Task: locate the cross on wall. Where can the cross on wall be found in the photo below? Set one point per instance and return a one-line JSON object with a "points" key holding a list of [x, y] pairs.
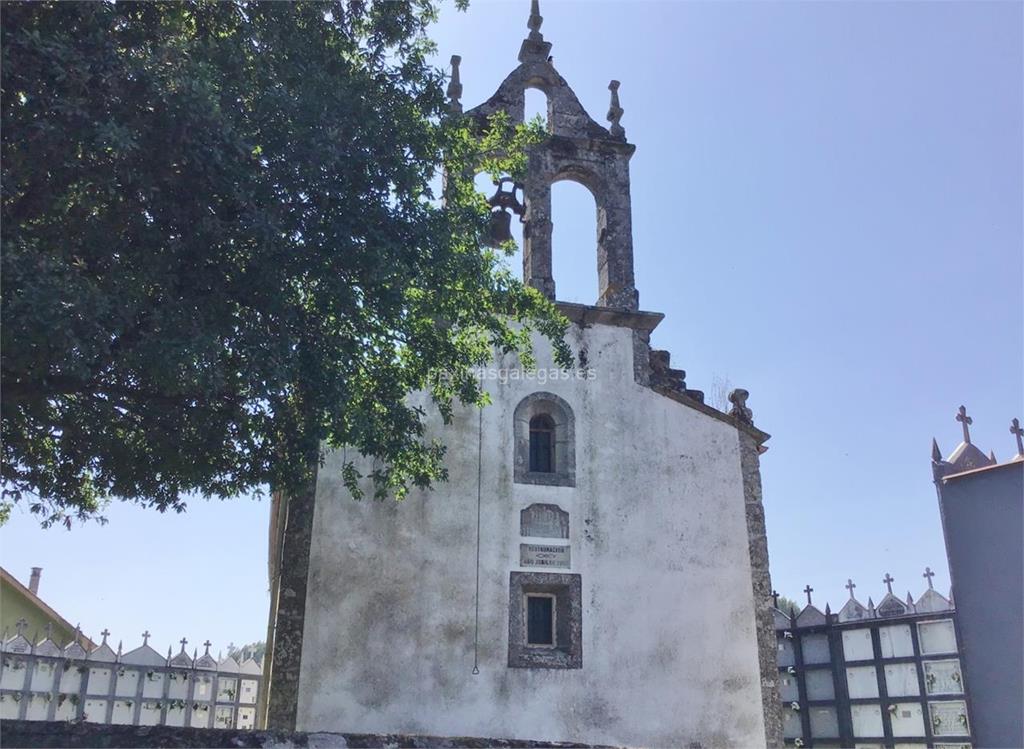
{"points": [[929, 575], [889, 579], [850, 585], [808, 590]]}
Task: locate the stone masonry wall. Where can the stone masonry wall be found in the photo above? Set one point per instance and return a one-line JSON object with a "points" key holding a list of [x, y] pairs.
{"points": [[24, 733]]}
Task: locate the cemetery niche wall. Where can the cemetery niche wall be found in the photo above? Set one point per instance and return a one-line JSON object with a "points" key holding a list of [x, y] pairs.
{"points": [[42, 680], [873, 676]]}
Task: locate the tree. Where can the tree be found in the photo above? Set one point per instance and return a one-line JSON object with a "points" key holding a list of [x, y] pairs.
{"points": [[221, 249], [786, 605], [254, 650]]}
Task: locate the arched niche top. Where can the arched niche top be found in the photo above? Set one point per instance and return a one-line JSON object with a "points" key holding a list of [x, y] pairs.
{"points": [[582, 175], [560, 413], [566, 116]]}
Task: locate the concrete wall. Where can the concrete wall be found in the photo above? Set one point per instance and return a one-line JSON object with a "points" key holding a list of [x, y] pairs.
{"points": [[983, 521], [657, 531]]}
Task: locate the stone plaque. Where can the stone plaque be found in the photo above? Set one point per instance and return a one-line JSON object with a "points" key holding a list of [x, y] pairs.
{"points": [[942, 677], [937, 637], [544, 521], [542, 555], [949, 718]]}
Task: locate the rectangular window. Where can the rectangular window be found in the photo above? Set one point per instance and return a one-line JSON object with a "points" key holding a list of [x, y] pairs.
{"points": [[540, 620], [545, 623]]}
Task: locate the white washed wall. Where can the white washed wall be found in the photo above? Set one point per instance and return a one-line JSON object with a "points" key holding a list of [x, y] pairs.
{"points": [[657, 532]]}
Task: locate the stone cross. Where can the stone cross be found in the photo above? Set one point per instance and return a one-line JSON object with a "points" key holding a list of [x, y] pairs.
{"points": [[850, 585], [615, 112], [21, 625], [808, 590], [928, 574], [775, 598], [207, 645], [1016, 431], [184, 642], [145, 637], [966, 421], [105, 633], [889, 580]]}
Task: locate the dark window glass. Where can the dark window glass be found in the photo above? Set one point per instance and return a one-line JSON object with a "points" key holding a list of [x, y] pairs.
{"points": [[542, 444], [540, 614]]}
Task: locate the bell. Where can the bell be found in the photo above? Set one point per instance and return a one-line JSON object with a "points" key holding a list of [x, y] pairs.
{"points": [[500, 230]]}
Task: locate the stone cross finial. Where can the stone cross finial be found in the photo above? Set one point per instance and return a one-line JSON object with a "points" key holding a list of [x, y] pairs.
{"points": [[928, 574], [966, 421], [145, 637], [455, 86], [850, 585], [21, 625], [889, 580], [106, 634], [775, 598], [1016, 431], [615, 112], [183, 642], [808, 590], [739, 410], [207, 645], [534, 24]]}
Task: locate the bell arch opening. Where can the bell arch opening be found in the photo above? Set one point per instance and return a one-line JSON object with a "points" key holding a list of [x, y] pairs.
{"points": [[575, 223], [536, 104], [484, 184]]}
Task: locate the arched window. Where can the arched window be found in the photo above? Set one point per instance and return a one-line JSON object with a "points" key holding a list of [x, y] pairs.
{"points": [[545, 434], [536, 104], [542, 444]]}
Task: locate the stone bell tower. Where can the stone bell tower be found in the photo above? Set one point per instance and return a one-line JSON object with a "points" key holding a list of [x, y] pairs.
{"points": [[580, 150], [594, 570]]}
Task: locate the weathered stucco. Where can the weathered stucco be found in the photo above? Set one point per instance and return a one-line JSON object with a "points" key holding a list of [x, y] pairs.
{"points": [[658, 532]]}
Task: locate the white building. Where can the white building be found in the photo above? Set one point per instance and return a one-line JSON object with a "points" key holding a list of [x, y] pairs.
{"points": [[594, 570]]}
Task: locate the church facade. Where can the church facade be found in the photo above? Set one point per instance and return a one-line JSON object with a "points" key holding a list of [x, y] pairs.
{"points": [[594, 570]]}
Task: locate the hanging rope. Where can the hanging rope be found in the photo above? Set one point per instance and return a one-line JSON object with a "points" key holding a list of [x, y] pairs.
{"points": [[479, 494]]}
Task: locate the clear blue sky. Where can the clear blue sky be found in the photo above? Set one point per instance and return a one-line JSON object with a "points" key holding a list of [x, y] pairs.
{"points": [[826, 206]]}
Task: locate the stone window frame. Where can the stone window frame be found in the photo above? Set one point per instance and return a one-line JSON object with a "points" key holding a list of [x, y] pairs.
{"points": [[567, 589], [559, 411]]}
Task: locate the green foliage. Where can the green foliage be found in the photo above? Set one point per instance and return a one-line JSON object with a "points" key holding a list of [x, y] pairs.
{"points": [[222, 250], [255, 650], [788, 604]]}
